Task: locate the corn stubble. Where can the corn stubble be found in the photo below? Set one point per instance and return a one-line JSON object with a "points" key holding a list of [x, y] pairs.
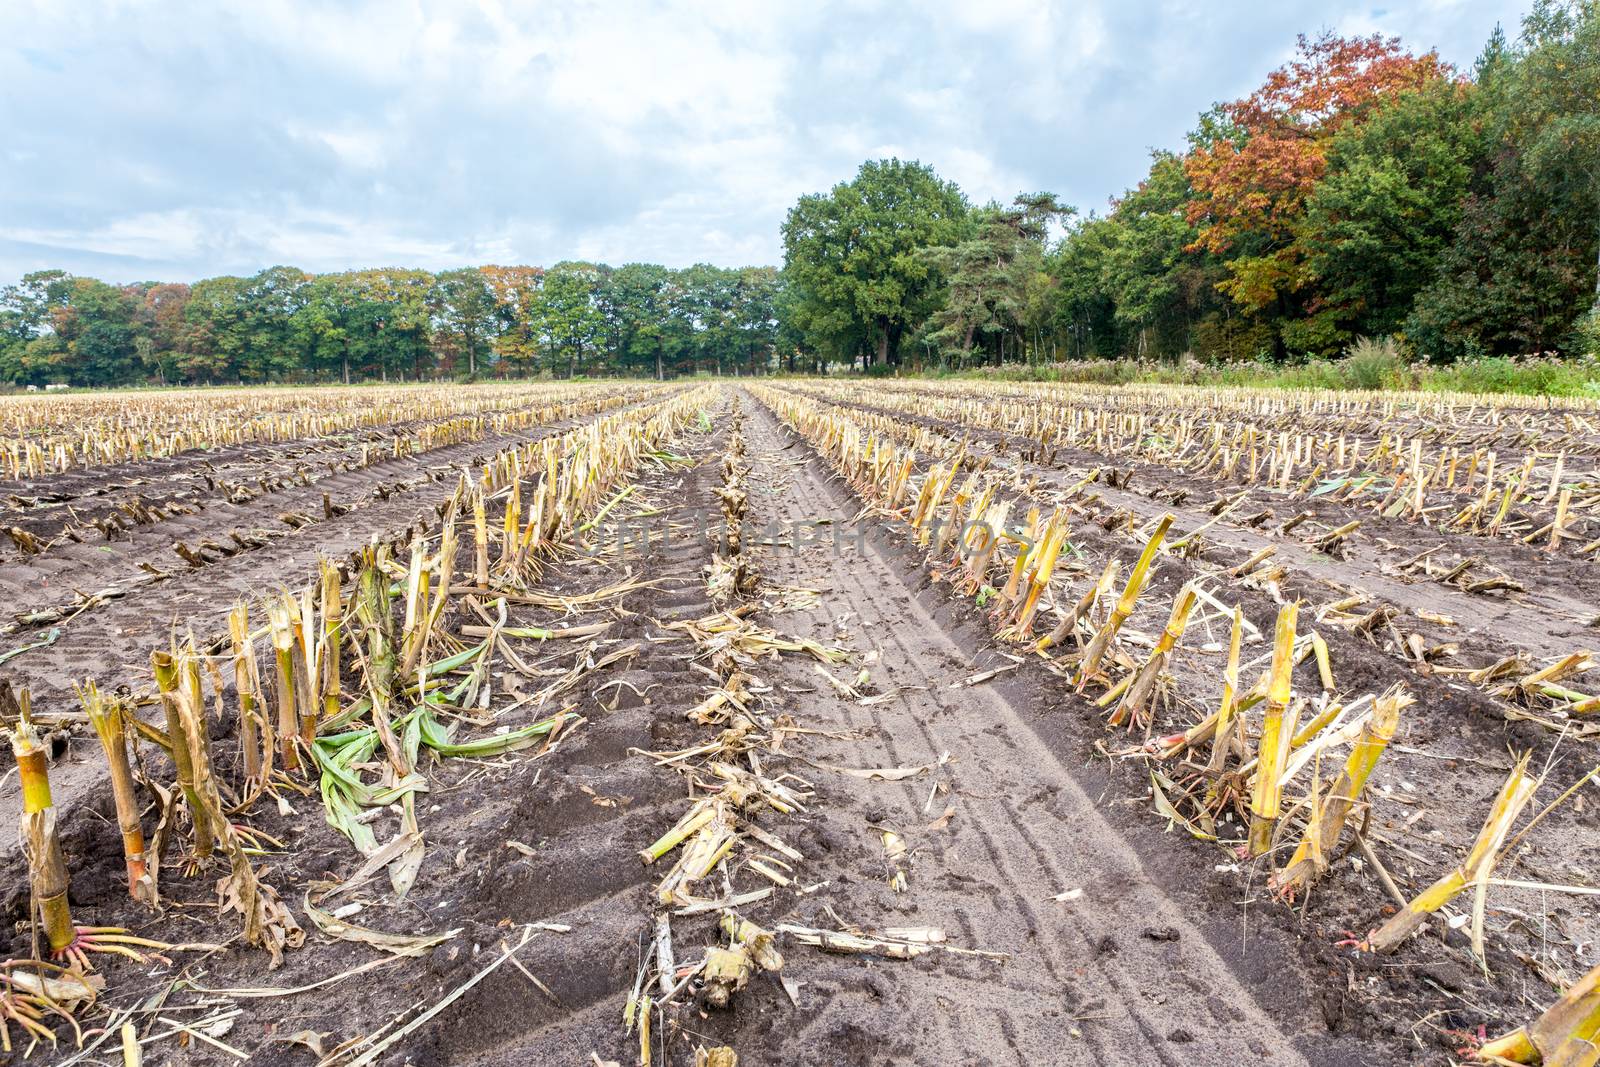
{"points": [[300, 721], [385, 620]]}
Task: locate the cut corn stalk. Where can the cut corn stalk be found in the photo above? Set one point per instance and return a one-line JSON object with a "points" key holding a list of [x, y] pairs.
{"points": [[47, 868], [1125, 603], [167, 669], [267, 923], [1132, 709], [106, 716], [1475, 870], [255, 731], [1276, 733], [1328, 818], [1567, 1034], [1082, 610]]}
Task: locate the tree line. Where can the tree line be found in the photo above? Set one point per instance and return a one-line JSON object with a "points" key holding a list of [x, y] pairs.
{"points": [[1361, 191], [284, 324]]}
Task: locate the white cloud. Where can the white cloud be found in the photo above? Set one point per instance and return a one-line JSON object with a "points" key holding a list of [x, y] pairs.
{"points": [[181, 138]]}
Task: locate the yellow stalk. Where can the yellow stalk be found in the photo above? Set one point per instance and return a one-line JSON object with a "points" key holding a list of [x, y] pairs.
{"points": [[1125, 603], [247, 684], [1230, 674], [508, 523], [47, 868], [1310, 859], [975, 518], [1273, 754], [685, 827], [644, 1031], [1324, 665], [1314, 727], [1055, 539], [994, 521], [109, 727], [1024, 552], [1567, 1034], [167, 672], [1081, 610], [1132, 708], [480, 538], [1476, 869], [283, 651]]}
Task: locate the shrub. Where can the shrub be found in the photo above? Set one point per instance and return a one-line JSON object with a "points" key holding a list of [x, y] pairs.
{"points": [[1375, 364], [1542, 375]]}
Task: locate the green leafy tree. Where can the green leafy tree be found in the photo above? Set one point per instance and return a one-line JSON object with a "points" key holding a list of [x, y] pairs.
{"points": [[569, 314], [398, 300], [216, 332], [327, 327], [96, 326], [1521, 275], [28, 348], [637, 294], [755, 314], [1377, 226], [1085, 311], [854, 256], [464, 312], [271, 300], [1557, 120]]}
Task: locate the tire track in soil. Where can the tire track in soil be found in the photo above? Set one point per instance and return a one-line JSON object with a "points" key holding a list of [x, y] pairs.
{"points": [[1084, 983], [111, 643], [1451, 741]]}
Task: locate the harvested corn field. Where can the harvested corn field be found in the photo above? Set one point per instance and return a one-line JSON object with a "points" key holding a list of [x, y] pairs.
{"points": [[795, 723]]}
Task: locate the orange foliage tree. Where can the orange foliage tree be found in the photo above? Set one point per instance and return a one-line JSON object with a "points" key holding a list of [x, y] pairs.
{"points": [[1265, 154]]}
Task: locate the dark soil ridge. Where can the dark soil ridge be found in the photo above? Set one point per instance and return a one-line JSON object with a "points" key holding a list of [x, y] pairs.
{"points": [[1563, 590], [1543, 623], [1353, 418]]}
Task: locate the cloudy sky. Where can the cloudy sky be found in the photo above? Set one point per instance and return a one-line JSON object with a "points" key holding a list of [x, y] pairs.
{"points": [[174, 140]]}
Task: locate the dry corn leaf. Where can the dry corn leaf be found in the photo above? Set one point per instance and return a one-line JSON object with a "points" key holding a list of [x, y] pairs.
{"points": [[398, 944]]}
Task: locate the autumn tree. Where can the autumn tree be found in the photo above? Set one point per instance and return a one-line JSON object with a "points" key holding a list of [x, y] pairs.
{"points": [[516, 298], [95, 323], [1255, 169], [161, 311]]}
